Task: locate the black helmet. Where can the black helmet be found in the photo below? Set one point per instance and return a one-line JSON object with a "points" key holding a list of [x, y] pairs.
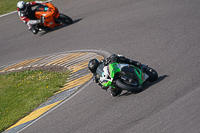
{"points": [[93, 64]]}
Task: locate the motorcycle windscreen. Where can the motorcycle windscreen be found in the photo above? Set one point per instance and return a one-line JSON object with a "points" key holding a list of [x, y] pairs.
{"points": [[100, 71]]}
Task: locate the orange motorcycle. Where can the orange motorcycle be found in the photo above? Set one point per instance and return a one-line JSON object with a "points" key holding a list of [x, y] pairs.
{"points": [[50, 17]]}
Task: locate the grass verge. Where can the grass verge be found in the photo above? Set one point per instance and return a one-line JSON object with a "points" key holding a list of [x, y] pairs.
{"points": [[21, 92], [7, 6]]}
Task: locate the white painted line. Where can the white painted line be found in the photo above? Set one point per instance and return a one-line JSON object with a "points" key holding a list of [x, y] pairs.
{"points": [[56, 106], [73, 76], [7, 14]]}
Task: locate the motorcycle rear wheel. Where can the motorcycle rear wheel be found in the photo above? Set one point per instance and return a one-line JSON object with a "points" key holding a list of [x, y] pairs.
{"points": [[65, 19]]}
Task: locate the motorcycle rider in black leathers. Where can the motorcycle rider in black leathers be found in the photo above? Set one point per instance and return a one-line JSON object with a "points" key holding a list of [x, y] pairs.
{"points": [[94, 63], [27, 15]]}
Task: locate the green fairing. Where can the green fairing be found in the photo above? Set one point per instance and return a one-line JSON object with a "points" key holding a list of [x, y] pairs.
{"points": [[107, 84], [139, 75], [113, 69]]}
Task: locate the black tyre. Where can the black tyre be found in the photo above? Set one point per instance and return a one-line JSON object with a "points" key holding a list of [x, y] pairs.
{"points": [[65, 19], [121, 84], [153, 75]]}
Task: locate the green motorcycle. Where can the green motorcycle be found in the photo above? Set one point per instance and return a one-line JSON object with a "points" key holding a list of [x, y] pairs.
{"points": [[125, 76]]}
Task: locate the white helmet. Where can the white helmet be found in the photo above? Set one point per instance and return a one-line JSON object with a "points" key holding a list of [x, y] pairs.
{"points": [[21, 5]]}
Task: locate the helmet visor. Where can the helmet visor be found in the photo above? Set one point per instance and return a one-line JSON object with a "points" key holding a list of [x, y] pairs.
{"points": [[23, 8]]}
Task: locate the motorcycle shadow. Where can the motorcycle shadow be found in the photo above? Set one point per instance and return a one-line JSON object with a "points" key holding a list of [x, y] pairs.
{"points": [[145, 87], [59, 27]]}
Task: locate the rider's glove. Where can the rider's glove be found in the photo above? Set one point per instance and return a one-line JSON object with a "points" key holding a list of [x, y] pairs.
{"points": [[106, 62], [102, 61], [33, 22], [38, 21]]}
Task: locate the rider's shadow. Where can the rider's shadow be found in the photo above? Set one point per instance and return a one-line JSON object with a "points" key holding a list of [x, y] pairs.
{"points": [[59, 27], [148, 85]]}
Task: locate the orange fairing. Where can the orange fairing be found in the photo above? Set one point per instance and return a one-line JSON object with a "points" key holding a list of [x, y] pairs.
{"points": [[49, 12], [52, 10], [56, 13]]}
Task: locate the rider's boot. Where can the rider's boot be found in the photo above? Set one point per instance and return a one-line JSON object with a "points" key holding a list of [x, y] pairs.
{"points": [[115, 92], [34, 29]]}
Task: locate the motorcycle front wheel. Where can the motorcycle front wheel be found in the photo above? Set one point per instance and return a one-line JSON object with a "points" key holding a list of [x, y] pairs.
{"points": [[65, 19], [153, 75], [121, 84]]}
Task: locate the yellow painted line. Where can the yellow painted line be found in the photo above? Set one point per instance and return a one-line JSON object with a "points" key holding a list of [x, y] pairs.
{"points": [[32, 61], [14, 66], [35, 114], [82, 65], [71, 58], [80, 78], [51, 63], [78, 67], [21, 64], [76, 82], [99, 57], [82, 58], [66, 58]]}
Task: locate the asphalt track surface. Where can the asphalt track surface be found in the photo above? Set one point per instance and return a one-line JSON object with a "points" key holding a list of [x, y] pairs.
{"points": [[163, 34]]}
